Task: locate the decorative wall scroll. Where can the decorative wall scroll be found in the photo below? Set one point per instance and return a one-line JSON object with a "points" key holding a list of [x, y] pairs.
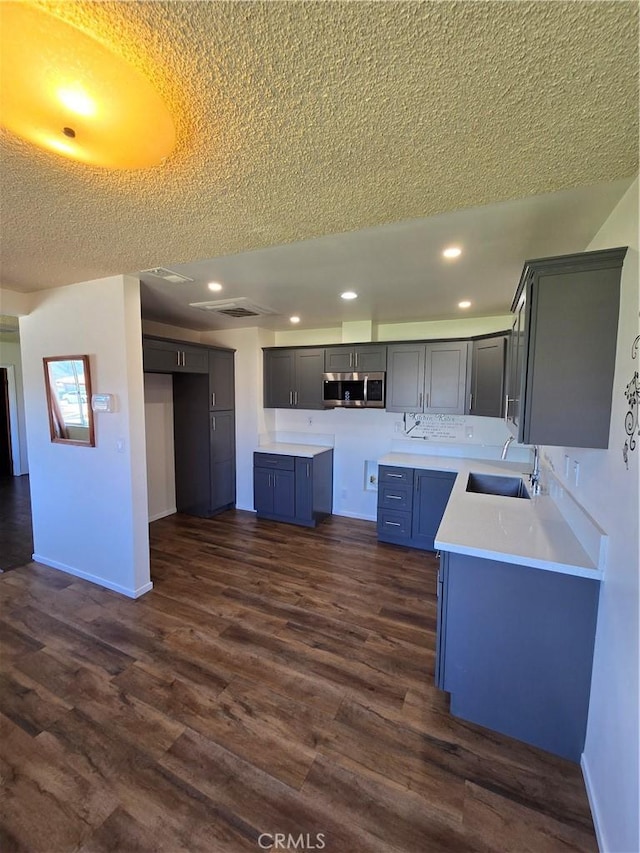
{"points": [[632, 393]]}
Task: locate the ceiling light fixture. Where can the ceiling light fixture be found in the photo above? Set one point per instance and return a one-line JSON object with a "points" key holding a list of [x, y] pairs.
{"points": [[214, 285], [66, 92], [294, 319], [464, 304], [452, 252], [349, 294]]}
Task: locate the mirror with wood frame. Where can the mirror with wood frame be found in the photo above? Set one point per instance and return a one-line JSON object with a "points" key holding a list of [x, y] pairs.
{"points": [[68, 385]]}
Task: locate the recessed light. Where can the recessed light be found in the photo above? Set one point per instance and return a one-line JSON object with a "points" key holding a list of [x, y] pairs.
{"points": [[214, 285], [452, 252], [349, 294], [294, 319], [464, 304]]}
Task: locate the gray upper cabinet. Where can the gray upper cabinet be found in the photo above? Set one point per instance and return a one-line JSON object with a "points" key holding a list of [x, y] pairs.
{"points": [[293, 378], [160, 355], [563, 353], [357, 358], [487, 377], [429, 377], [221, 380]]}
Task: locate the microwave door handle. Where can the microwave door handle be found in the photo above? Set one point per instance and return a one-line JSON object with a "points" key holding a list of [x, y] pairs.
{"points": [[365, 390]]}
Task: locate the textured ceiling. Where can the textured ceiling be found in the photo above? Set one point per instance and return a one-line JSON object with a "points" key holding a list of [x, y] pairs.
{"points": [[297, 120]]}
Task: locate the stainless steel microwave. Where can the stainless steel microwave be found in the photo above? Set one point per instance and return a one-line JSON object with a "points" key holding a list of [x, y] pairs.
{"points": [[353, 390]]}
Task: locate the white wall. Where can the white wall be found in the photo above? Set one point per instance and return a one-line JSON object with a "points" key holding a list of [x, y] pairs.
{"points": [[89, 505], [161, 475], [609, 492], [10, 356]]}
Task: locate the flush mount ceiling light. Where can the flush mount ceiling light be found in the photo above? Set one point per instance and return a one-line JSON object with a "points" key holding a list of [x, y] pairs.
{"points": [[452, 252], [214, 285], [349, 294], [66, 92], [464, 304], [294, 319]]}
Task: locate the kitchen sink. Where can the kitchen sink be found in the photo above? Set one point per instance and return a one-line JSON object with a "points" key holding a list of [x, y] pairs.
{"points": [[492, 484]]}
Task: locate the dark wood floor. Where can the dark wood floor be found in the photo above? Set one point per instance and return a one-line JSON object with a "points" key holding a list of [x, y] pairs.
{"points": [[276, 680], [16, 537]]}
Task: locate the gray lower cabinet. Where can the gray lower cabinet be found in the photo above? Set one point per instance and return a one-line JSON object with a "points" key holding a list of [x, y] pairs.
{"points": [[221, 380], [428, 377], [294, 489], [487, 377], [411, 504], [356, 358], [293, 378], [563, 349], [160, 355], [515, 649]]}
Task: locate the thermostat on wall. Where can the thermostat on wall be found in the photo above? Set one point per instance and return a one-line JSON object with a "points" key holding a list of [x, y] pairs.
{"points": [[103, 402]]}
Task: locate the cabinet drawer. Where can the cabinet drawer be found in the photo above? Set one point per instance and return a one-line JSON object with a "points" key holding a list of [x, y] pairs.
{"points": [[395, 495], [391, 474], [275, 461], [393, 525]]}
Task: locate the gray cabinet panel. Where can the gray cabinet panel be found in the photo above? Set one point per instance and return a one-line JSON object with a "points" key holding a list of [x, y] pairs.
{"points": [[160, 355], [515, 650], [411, 504], [564, 357], [432, 490], [222, 460], [446, 377], [279, 379], [487, 380], [221, 380], [405, 377], [308, 378]]}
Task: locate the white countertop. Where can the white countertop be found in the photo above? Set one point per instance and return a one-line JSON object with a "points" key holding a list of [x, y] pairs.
{"points": [[525, 532], [285, 449]]}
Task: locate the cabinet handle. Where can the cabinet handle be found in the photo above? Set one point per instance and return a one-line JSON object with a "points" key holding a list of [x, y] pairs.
{"points": [[420, 401], [213, 398], [269, 480], [399, 476], [395, 497], [291, 398], [295, 397], [426, 400], [356, 359], [213, 423], [470, 401], [350, 359], [392, 523], [308, 470], [178, 357]]}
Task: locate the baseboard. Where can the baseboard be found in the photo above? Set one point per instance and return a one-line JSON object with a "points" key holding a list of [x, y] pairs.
{"points": [[595, 814], [70, 570], [163, 514], [345, 514]]}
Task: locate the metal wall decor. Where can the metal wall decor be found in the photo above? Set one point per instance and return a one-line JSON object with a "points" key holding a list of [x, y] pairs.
{"points": [[632, 393]]}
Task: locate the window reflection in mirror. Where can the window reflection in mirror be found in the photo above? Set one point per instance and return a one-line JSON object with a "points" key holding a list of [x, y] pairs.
{"points": [[68, 386]]}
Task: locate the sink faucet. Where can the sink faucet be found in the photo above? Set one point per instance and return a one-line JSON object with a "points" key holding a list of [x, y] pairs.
{"points": [[534, 476], [506, 446]]}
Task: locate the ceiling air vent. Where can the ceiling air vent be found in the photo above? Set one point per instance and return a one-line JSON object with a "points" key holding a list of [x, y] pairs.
{"points": [[168, 275], [237, 308]]}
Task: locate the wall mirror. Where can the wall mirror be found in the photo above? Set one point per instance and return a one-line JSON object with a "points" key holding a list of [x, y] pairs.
{"points": [[68, 385]]}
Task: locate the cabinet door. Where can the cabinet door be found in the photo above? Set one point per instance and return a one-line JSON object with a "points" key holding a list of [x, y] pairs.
{"points": [[431, 493], [516, 365], [446, 378], [405, 377], [222, 456], [338, 360], [221, 380], [159, 356], [263, 491], [370, 359], [487, 385], [304, 488], [279, 379], [193, 359], [309, 367], [284, 499]]}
